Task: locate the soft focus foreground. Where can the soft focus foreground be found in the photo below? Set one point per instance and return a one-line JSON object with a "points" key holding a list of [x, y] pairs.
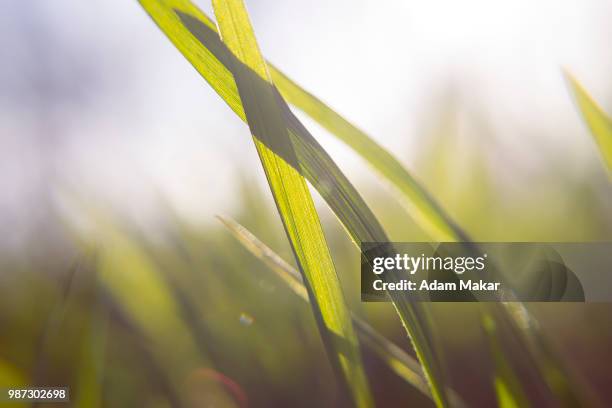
{"points": [[130, 315]]}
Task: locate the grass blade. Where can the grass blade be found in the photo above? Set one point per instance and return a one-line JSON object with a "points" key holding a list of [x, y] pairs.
{"points": [[92, 359], [283, 270], [508, 388], [599, 123], [194, 34], [296, 208]]}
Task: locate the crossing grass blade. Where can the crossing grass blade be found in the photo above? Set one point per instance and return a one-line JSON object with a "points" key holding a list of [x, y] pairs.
{"points": [[295, 205], [401, 363], [599, 123], [209, 61], [196, 37], [410, 369], [194, 34], [419, 203]]}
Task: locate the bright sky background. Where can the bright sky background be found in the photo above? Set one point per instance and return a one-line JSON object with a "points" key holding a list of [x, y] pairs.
{"points": [[93, 95]]}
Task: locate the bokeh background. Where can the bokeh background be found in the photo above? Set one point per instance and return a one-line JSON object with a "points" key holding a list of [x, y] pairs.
{"points": [[115, 156]]}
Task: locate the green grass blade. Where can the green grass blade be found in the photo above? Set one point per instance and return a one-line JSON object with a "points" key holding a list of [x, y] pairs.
{"points": [[404, 365], [92, 355], [287, 273], [599, 123], [125, 269], [194, 34], [423, 208], [508, 387], [295, 205]]}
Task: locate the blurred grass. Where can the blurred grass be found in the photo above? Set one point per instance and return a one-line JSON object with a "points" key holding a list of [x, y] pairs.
{"points": [[274, 353], [597, 120], [277, 358]]}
